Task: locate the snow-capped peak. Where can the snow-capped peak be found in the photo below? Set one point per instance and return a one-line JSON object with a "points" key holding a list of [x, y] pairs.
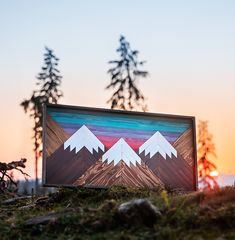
{"points": [[158, 143], [83, 137], [121, 151]]}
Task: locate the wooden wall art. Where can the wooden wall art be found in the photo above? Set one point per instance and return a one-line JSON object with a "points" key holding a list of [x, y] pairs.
{"points": [[94, 147]]}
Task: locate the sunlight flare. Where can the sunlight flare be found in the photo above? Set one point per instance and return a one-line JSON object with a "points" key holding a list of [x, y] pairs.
{"points": [[214, 173]]}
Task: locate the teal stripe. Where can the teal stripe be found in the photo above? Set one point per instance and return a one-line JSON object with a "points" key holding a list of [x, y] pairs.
{"points": [[133, 122]]}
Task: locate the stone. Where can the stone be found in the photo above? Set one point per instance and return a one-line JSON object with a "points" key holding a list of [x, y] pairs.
{"points": [[139, 212]]}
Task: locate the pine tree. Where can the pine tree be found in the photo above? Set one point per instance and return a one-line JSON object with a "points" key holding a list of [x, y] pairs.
{"points": [[124, 75], [206, 150], [48, 82]]}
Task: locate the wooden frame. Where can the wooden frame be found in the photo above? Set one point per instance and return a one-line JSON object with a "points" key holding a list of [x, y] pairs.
{"points": [[190, 120]]}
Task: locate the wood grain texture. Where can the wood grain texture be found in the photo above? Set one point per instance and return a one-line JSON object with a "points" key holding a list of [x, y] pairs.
{"points": [[65, 166], [55, 136], [173, 172], [103, 174], [184, 145]]}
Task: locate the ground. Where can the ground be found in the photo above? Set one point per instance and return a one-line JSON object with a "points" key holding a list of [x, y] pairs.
{"points": [[79, 213]]}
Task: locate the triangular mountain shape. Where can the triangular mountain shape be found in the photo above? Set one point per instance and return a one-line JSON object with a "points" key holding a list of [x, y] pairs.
{"points": [[158, 144], [121, 151], [83, 137], [174, 172], [55, 136], [120, 165], [73, 157], [104, 174], [164, 161]]}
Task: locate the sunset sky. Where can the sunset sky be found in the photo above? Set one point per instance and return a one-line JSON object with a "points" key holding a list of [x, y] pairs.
{"points": [[189, 47]]}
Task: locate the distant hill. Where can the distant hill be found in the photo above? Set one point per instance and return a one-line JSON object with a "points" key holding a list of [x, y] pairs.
{"points": [[226, 180]]}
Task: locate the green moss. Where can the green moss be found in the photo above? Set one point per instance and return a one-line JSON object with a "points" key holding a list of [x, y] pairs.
{"points": [[205, 215]]}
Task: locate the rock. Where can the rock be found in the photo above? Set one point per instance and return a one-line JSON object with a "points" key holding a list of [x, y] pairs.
{"points": [[48, 218], [139, 212]]}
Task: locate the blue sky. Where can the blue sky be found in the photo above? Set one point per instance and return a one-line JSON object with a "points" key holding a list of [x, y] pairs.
{"points": [[189, 47]]}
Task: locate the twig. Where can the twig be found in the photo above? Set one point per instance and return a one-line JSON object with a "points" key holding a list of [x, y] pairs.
{"points": [[7, 167]]}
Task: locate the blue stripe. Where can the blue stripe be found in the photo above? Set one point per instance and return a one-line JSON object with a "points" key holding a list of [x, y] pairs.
{"points": [[118, 133], [120, 122]]}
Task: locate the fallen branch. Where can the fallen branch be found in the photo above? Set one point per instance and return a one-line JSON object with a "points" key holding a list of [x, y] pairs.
{"points": [[5, 168]]}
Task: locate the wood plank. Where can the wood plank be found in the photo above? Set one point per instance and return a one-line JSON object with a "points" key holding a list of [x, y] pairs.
{"points": [[103, 174]]}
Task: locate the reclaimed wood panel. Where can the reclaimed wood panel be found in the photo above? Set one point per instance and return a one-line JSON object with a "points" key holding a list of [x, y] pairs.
{"points": [[174, 172], [65, 166], [184, 145], [104, 174], [55, 136]]}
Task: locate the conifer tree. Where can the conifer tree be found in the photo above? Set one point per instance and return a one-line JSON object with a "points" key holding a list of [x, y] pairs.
{"points": [[48, 82], [206, 150], [124, 75]]}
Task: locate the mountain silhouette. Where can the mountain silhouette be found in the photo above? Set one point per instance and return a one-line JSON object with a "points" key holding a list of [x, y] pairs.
{"points": [[120, 165], [83, 137], [121, 151], [73, 157], [103, 174], [82, 160], [158, 143], [174, 172], [164, 161]]}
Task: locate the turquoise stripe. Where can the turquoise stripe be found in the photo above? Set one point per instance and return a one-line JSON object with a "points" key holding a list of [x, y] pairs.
{"points": [[128, 122]]}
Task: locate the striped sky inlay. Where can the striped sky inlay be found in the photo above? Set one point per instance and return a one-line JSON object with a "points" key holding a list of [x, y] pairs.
{"points": [[110, 127]]}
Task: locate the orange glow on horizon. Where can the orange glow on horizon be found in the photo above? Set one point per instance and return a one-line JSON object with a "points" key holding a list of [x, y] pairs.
{"points": [[214, 173]]}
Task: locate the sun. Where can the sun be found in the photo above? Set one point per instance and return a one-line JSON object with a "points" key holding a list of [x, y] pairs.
{"points": [[214, 173]]}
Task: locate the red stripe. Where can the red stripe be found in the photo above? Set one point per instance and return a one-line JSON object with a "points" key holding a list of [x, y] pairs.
{"points": [[110, 141]]}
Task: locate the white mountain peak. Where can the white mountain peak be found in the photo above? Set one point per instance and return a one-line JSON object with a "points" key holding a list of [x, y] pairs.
{"points": [[83, 137], [121, 151], [158, 143]]}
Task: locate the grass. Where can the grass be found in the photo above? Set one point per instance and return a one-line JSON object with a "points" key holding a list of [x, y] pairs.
{"points": [[92, 214]]}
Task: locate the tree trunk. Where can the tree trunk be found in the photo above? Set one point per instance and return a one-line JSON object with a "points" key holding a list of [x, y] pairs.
{"points": [[36, 172]]}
